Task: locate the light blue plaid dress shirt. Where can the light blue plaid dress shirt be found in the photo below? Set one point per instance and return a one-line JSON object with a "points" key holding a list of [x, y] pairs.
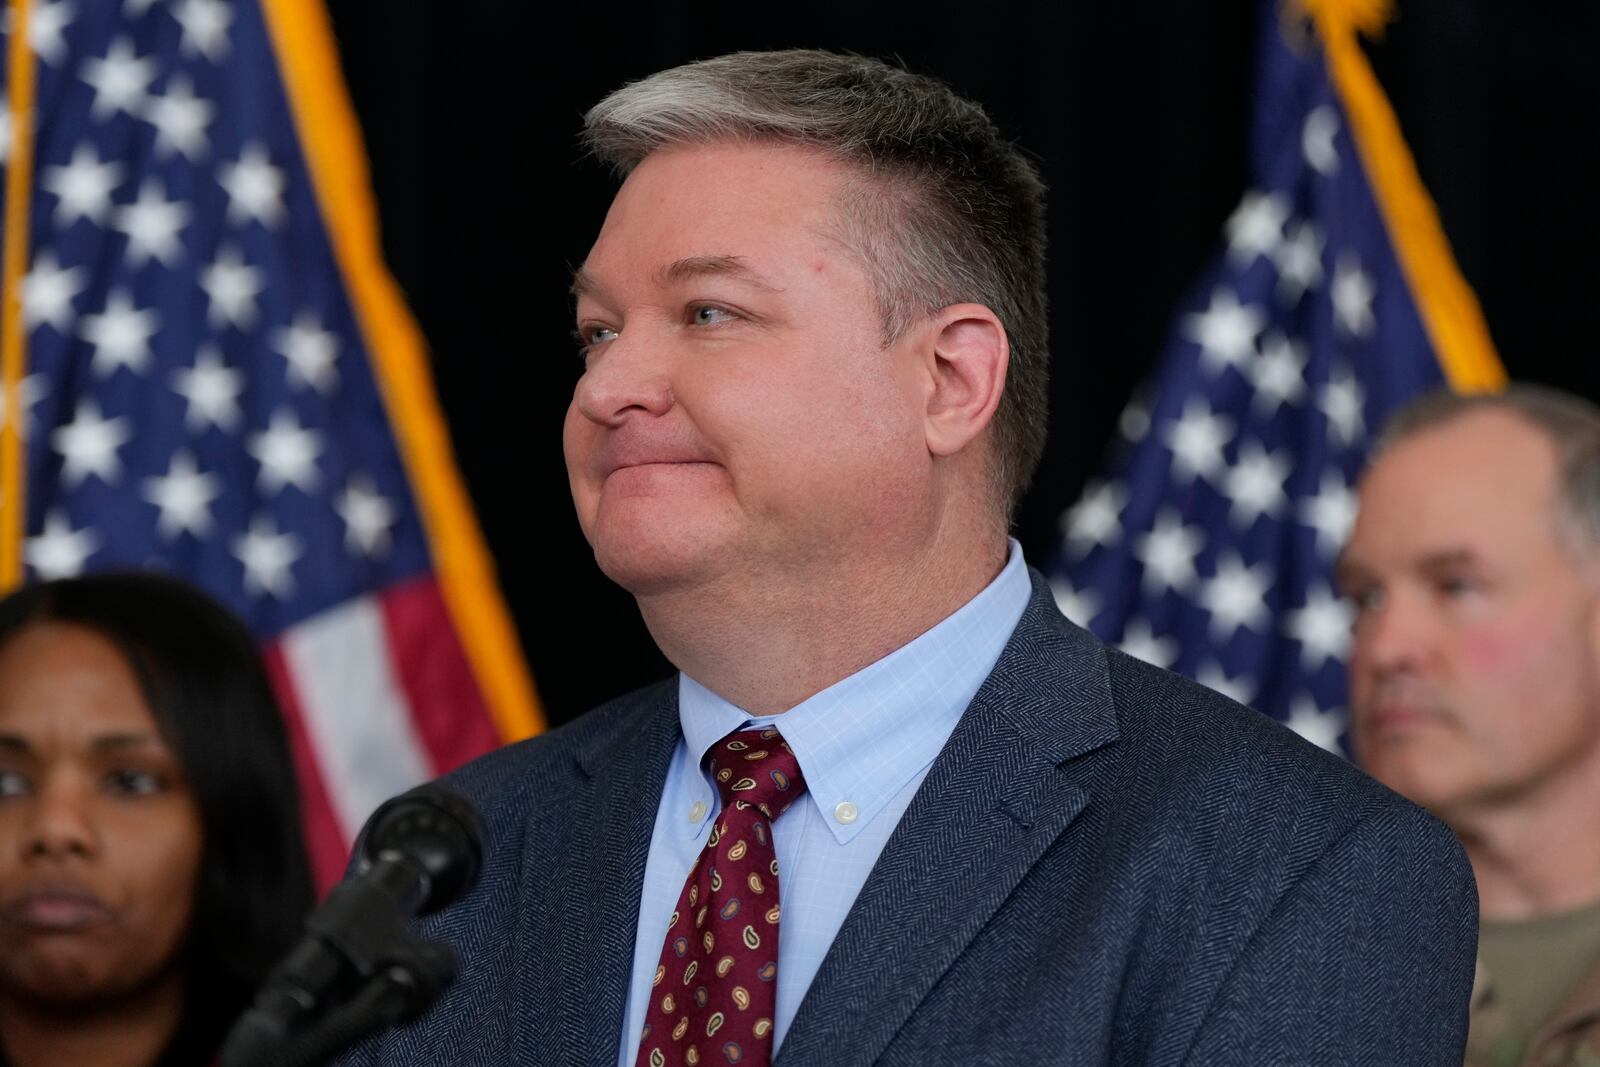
{"points": [[864, 745]]}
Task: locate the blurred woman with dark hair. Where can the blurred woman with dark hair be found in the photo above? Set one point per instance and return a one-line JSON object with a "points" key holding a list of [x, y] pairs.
{"points": [[152, 868]]}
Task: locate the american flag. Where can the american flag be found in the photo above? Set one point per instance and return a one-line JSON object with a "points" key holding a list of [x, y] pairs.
{"points": [[1207, 544], [209, 372]]}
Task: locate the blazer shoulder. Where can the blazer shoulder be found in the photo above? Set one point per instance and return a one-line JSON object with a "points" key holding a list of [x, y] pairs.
{"points": [[547, 764], [1219, 753]]}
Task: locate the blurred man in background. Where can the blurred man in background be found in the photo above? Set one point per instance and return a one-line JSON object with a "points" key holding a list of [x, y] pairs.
{"points": [[1474, 570]]}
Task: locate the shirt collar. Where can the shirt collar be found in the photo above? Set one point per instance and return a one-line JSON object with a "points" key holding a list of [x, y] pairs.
{"points": [[861, 740]]}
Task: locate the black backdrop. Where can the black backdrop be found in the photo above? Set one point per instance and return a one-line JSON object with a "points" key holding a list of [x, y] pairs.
{"points": [[1136, 112]]}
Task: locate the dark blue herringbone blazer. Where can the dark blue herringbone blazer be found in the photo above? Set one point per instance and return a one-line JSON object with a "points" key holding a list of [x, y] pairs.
{"points": [[1107, 864]]}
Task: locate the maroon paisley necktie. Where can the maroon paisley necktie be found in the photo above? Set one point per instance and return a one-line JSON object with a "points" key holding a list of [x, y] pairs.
{"points": [[713, 993]]}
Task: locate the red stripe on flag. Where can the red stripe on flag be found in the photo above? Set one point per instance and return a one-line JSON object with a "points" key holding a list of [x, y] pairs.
{"points": [[325, 841], [447, 706]]}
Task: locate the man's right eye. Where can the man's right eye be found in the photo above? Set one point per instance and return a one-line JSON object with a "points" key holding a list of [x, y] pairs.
{"points": [[13, 784], [590, 336], [1365, 599]]}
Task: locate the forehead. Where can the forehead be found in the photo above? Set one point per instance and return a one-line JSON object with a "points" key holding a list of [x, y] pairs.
{"points": [[61, 678], [770, 206], [1483, 479]]}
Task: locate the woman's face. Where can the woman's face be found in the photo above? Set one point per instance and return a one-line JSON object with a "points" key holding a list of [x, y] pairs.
{"points": [[100, 836]]}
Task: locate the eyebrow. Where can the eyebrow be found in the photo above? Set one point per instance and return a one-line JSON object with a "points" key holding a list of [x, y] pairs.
{"points": [[105, 743], [1346, 569], [687, 269]]}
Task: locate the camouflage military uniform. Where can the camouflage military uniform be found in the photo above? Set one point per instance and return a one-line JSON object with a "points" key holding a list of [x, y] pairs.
{"points": [[1569, 1038]]}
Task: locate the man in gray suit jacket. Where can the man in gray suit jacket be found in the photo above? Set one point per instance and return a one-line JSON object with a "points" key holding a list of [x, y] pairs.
{"points": [[814, 332]]}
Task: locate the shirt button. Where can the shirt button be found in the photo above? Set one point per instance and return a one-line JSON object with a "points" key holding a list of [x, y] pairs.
{"points": [[845, 812], [697, 811]]}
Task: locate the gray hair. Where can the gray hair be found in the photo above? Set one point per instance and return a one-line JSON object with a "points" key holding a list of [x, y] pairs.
{"points": [[945, 210], [1571, 423]]}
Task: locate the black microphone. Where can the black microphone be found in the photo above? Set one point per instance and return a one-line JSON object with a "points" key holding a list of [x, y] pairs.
{"points": [[359, 968]]}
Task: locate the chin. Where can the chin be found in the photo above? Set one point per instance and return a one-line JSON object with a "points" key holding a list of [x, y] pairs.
{"points": [[650, 547], [646, 564]]}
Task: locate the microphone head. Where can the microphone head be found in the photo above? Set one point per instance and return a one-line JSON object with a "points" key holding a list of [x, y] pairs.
{"points": [[435, 829]]}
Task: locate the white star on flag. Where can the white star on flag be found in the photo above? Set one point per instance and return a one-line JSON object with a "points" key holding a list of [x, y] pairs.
{"points": [[184, 494], [120, 80], [287, 454], [1255, 484], [1299, 263], [30, 391], [1168, 553], [46, 23], [312, 353], [1197, 438], [254, 187], [212, 391], [1321, 728], [1238, 688], [1352, 294], [268, 557], [1256, 226], [1226, 331], [205, 27], [1079, 607], [1140, 642], [88, 445], [232, 286], [120, 335], [59, 551], [82, 186], [1341, 401], [1332, 512], [1236, 596], [1316, 140], [180, 119], [367, 517], [152, 223], [1278, 374], [1095, 519], [1322, 626], [48, 289]]}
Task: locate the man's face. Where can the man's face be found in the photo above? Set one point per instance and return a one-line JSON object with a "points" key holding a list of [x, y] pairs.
{"points": [[738, 418], [1475, 674]]}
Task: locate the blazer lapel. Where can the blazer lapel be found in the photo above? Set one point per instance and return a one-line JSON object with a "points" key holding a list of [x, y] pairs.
{"points": [[614, 813], [1014, 774]]}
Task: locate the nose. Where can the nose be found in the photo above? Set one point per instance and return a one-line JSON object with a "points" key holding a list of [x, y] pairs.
{"points": [[1392, 637], [61, 822], [627, 378]]}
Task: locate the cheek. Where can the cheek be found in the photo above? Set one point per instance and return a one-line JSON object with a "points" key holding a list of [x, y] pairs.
{"points": [[1523, 652], [158, 866]]}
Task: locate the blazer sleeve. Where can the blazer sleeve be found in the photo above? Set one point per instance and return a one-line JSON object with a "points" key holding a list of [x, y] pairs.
{"points": [[1367, 959]]}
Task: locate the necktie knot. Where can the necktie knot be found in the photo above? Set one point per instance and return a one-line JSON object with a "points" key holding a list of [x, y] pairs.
{"points": [[757, 768]]}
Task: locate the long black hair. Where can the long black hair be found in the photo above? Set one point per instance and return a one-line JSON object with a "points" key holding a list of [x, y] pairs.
{"points": [[200, 670]]}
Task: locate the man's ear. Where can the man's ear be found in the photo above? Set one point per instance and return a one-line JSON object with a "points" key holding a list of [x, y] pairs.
{"points": [[966, 375]]}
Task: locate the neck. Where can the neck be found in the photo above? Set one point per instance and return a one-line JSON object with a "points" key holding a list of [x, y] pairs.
{"points": [[765, 643], [1540, 856], [133, 1032]]}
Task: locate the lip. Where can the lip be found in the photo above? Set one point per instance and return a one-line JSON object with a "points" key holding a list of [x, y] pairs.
{"points": [[1399, 718], [623, 463], [56, 910]]}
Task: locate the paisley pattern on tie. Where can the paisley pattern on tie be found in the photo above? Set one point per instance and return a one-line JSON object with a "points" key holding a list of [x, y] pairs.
{"points": [[713, 994]]}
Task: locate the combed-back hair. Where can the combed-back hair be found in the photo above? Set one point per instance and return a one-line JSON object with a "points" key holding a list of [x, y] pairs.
{"points": [[1571, 423], [944, 210], [201, 672]]}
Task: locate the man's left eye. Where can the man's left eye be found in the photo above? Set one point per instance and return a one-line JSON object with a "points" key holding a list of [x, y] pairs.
{"points": [[710, 315]]}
